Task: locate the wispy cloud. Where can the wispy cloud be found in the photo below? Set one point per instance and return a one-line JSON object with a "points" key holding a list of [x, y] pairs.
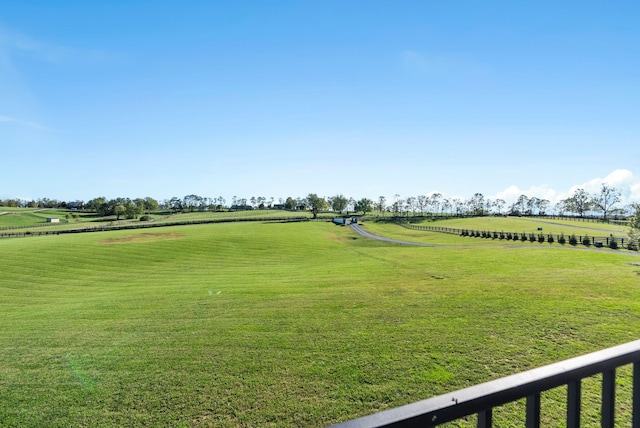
{"points": [[12, 41], [418, 64], [13, 120]]}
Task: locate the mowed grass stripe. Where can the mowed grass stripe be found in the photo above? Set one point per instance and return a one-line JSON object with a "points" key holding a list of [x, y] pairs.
{"points": [[283, 324]]}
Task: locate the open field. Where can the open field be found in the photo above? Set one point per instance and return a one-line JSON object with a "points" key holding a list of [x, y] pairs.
{"points": [[302, 324], [23, 218], [13, 217]]}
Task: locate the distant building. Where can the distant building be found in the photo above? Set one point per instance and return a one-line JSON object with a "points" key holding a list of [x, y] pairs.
{"points": [[76, 205], [53, 220]]}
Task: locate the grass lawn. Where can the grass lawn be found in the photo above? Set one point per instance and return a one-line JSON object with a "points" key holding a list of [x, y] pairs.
{"points": [[301, 324], [22, 218]]}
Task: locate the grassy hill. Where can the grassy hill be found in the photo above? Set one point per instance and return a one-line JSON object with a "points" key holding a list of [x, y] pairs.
{"points": [[302, 324]]}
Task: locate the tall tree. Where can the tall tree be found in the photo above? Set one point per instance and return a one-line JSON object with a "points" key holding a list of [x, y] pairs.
{"points": [[175, 204], [578, 203], [290, 203], [381, 205], [150, 204], [338, 203], [364, 205], [421, 202], [605, 200], [315, 204], [476, 204], [543, 205], [434, 202], [634, 227]]}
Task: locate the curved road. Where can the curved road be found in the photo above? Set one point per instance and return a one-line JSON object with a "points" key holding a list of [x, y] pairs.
{"points": [[358, 229], [366, 234]]}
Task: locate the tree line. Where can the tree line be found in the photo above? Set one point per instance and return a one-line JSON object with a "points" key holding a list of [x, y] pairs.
{"points": [[580, 203]]}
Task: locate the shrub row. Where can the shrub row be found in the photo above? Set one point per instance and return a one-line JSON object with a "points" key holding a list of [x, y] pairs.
{"points": [[612, 241]]}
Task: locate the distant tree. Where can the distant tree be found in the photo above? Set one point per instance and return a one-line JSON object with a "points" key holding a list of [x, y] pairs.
{"points": [[499, 205], [421, 203], [220, 203], [381, 205], [532, 204], [315, 204], [119, 211], [351, 204], [175, 204], [435, 202], [290, 203], [519, 207], [476, 204], [191, 202], [364, 205], [410, 205], [130, 209], [488, 205], [447, 206], [458, 206], [578, 203], [543, 206], [95, 203], [605, 200], [634, 227], [338, 203], [151, 204]]}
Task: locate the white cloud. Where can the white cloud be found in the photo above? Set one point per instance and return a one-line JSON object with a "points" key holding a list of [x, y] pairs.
{"points": [[622, 179], [511, 193]]}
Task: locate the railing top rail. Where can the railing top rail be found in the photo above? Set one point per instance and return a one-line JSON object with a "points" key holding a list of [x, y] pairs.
{"points": [[468, 401]]}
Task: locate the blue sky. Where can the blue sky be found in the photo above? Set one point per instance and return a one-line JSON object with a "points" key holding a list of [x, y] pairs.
{"points": [[285, 98]]}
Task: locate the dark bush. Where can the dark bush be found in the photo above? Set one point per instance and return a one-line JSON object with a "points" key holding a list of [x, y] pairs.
{"points": [[502, 235], [540, 238], [561, 239], [586, 241], [613, 242], [523, 237], [145, 218], [550, 239], [573, 240], [532, 237]]}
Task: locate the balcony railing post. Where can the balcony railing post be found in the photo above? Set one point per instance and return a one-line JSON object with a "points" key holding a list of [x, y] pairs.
{"points": [[635, 418], [485, 418], [533, 411], [573, 404], [608, 398]]}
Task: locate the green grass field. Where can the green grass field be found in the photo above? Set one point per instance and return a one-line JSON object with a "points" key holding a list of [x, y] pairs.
{"points": [[531, 225], [302, 324], [22, 218]]}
